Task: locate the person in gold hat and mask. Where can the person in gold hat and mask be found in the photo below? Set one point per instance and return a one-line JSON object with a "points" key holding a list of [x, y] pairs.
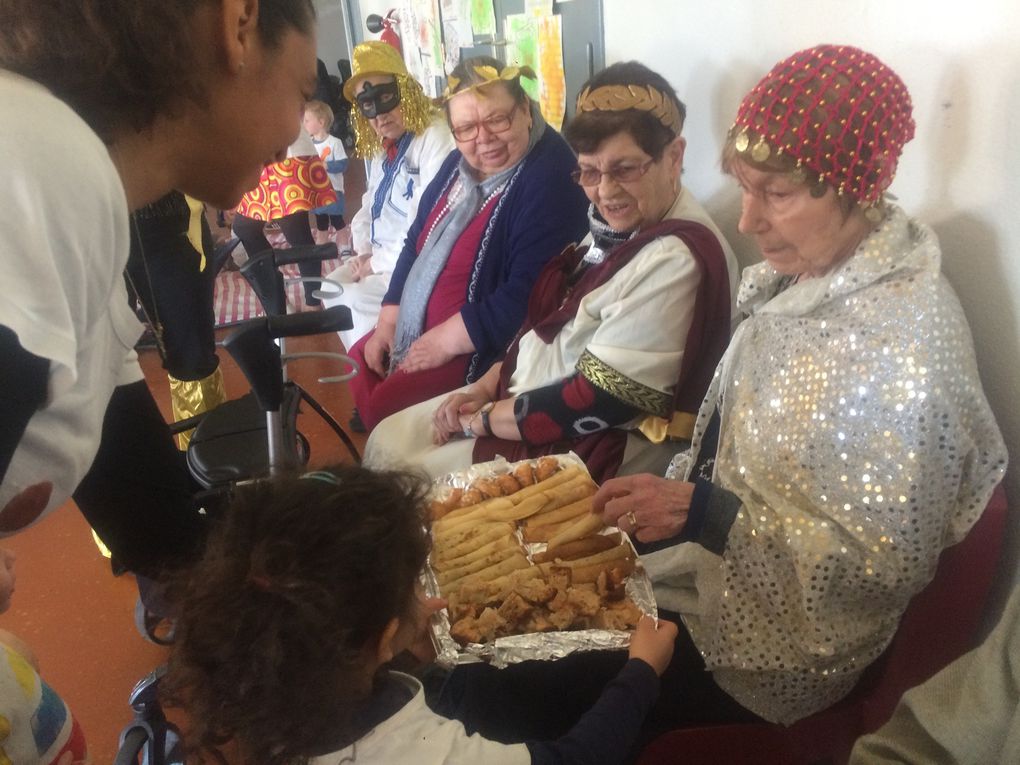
{"points": [[404, 141]]}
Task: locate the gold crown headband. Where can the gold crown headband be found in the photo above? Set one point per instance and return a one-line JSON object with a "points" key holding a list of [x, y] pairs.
{"points": [[489, 75], [642, 98]]}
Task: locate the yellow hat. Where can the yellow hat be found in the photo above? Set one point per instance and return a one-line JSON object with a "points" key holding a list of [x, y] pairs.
{"points": [[373, 57]]}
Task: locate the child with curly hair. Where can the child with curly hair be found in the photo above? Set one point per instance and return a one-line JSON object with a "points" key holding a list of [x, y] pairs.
{"points": [[307, 589]]}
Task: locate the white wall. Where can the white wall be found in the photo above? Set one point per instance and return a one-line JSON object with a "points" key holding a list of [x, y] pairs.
{"points": [[332, 38], [961, 174]]}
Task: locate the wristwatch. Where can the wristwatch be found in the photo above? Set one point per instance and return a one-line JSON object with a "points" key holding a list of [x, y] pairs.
{"points": [[486, 427]]}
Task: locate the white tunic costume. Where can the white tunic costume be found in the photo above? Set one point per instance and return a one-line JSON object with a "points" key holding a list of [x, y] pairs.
{"points": [[633, 325]]}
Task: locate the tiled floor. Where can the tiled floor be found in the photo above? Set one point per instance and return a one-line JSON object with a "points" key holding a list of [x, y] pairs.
{"points": [[77, 616]]}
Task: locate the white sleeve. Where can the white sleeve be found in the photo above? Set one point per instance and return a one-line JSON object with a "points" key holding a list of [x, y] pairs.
{"points": [[437, 143], [643, 330], [62, 261]]}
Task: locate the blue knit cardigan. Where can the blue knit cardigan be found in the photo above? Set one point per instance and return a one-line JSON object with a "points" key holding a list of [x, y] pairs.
{"points": [[539, 213]]}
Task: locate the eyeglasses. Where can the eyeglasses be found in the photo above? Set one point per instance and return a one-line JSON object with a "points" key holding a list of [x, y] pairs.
{"points": [[622, 173], [497, 123]]}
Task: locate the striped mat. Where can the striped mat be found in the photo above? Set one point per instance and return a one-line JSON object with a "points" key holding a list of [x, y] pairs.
{"points": [[234, 300]]}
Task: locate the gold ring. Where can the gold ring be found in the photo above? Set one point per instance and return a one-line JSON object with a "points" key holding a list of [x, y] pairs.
{"points": [[631, 519]]}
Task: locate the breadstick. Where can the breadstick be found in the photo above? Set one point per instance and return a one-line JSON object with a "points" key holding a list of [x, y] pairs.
{"points": [[516, 561], [480, 564], [497, 512], [583, 527], [561, 513], [546, 531], [622, 550], [554, 480], [479, 512], [445, 562], [460, 512], [571, 491], [579, 548], [464, 540], [587, 574]]}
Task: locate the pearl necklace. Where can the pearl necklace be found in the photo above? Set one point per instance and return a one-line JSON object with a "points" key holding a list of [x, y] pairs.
{"points": [[453, 197]]}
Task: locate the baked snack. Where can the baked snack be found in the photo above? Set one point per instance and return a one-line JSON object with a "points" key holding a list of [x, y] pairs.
{"points": [[495, 586]]}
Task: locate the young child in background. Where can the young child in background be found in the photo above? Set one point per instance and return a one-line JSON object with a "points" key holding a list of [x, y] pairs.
{"points": [[317, 121], [36, 726], [307, 588]]}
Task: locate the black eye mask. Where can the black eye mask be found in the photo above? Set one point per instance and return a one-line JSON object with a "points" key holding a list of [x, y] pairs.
{"points": [[374, 100]]}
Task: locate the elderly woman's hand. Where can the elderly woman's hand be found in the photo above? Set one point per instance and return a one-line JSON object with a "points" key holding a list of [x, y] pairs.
{"points": [[361, 266], [380, 344], [447, 420], [647, 507], [439, 345]]}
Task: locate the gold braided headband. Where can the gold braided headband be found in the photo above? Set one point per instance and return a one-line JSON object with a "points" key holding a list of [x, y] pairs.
{"points": [[489, 75], [643, 98]]}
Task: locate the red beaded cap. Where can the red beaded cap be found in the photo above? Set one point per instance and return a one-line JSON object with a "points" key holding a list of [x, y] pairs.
{"points": [[837, 110]]}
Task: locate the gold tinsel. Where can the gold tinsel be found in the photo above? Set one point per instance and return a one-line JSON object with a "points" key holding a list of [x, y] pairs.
{"points": [[418, 111]]}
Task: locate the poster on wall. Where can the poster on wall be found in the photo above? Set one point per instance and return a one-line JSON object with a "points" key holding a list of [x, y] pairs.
{"points": [[483, 18], [538, 7], [521, 33], [552, 85], [457, 32], [423, 44], [536, 41]]}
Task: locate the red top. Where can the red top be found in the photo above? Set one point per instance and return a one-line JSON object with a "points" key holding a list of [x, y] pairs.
{"points": [[450, 291]]}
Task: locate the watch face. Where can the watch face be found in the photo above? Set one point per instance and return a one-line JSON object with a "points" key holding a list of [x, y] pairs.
{"points": [[374, 100]]}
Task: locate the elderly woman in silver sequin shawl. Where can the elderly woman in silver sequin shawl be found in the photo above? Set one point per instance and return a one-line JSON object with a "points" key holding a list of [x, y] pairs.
{"points": [[845, 440]]}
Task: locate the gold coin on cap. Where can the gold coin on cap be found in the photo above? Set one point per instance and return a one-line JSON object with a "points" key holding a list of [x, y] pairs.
{"points": [[761, 151], [741, 141]]}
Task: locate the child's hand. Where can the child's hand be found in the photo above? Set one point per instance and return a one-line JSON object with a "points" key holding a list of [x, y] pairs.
{"points": [[422, 647], [651, 645]]}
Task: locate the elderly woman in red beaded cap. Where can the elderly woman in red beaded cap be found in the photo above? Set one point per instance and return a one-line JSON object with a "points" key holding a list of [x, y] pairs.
{"points": [[845, 439]]}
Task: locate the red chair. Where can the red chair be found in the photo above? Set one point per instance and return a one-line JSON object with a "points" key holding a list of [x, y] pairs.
{"points": [[939, 625]]}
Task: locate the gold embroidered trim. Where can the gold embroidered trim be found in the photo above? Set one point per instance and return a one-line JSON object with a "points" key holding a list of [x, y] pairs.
{"points": [[643, 98], [603, 376]]}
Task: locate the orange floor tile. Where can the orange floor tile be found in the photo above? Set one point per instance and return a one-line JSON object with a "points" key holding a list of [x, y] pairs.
{"points": [[71, 610]]}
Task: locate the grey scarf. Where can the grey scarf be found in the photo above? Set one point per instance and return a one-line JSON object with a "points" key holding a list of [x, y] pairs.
{"points": [[466, 197]]}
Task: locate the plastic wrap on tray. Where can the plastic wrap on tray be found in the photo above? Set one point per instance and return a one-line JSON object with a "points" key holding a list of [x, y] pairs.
{"points": [[530, 645]]}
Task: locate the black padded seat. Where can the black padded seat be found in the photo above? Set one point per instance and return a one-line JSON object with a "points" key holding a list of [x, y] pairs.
{"points": [[230, 443]]}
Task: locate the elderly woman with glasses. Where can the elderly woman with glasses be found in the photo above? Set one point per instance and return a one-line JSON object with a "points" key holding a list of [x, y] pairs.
{"points": [[622, 332], [500, 208], [843, 443]]}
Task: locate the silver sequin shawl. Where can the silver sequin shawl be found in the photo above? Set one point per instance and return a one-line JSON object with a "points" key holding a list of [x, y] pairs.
{"points": [[856, 434]]}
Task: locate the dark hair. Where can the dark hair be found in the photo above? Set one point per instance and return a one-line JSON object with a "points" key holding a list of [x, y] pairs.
{"points": [[587, 130], [468, 77], [122, 63], [297, 579]]}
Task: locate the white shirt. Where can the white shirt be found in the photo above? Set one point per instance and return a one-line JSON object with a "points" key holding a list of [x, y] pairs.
{"points": [[62, 258], [418, 736], [383, 237]]}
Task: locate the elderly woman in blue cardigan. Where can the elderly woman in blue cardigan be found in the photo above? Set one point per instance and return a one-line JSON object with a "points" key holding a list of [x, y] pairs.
{"points": [[502, 205]]}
